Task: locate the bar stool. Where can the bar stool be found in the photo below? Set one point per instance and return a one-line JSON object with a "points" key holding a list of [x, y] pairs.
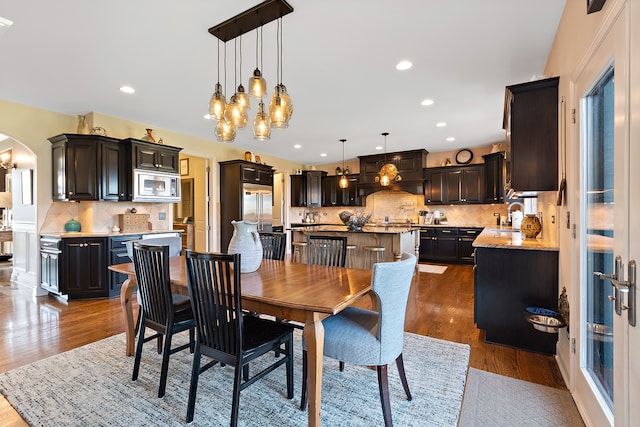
{"points": [[299, 249], [351, 256], [370, 251]]}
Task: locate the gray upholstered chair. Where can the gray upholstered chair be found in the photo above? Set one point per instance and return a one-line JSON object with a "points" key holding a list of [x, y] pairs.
{"points": [[372, 338]]}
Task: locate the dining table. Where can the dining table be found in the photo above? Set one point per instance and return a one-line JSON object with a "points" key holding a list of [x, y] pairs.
{"points": [[305, 293]]}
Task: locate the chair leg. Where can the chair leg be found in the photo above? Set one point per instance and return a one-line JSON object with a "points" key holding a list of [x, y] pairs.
{"points": [[237, 380], [195, 372], [403, 377], [160, 344], [136, 363], [192, 340], [383, 385], [165, 364], [304, 397], [341, 366], [288, 347]]}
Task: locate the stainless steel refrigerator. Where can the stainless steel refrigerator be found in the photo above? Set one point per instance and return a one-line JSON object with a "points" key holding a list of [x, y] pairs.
{"points": [[257, 205]]}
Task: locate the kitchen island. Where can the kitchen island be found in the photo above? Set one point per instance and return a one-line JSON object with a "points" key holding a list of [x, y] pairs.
{"points": [[512, 273], [396, 239]]}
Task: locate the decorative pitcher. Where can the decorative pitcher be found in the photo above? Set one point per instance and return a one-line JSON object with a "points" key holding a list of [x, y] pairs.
{"points": [[246, 241], [530, 226]]}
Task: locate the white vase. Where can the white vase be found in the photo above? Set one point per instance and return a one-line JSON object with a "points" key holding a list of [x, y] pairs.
{"points": [[246, 241]]}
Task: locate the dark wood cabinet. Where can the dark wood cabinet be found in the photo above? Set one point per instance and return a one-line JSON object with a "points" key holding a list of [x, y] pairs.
{"points": [[257, 174], [112, 180], [333, 195], [466, 236], [154, 157], [84, 267], [50, 250], [306, 189], [454, 185], [506, 282], [531, 124], [494, 177], [448, 244], [410, 165]]}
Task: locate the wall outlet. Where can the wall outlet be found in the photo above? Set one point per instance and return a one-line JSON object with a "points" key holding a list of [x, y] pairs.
{"points": [[162, 216]]}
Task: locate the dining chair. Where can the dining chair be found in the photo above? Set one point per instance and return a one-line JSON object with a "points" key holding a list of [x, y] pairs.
{"points": [[273, 245], [158, 310], [326, 250], [372, 337], [223, 333]]}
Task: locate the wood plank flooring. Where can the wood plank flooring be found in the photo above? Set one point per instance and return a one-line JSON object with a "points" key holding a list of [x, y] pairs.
{"points": [[440, 306]]}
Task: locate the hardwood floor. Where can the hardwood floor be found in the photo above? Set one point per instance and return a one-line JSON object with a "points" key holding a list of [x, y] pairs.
{"points": [[440, 306]]}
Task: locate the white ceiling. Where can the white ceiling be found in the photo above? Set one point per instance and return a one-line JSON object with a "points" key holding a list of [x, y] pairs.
{"points": [[339, 57]]}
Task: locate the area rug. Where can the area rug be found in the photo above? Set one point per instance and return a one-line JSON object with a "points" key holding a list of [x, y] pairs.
{"points": [[496, 400], [430, 268], [91, 386]]}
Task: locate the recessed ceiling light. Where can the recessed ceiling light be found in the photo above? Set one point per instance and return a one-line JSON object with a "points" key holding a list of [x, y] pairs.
{"points": [[403, 65], [4, 22], [441, 124], [427, 102], [451, 139], [379, 147], [297, 146], [127, 89], [3, 137], [323, 154]]}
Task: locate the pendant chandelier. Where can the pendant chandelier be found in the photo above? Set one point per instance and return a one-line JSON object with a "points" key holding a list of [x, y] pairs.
{"points": [[388, 171], [343, 182], [233, 115]]}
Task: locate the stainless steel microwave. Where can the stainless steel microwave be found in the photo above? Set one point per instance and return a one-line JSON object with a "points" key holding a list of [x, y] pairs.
{"points": [[155, 186]]}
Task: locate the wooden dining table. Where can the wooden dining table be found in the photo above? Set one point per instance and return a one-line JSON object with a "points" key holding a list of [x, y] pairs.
{"points": [[299, 292]]}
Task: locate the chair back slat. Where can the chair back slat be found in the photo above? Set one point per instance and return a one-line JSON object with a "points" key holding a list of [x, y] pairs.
{"points": [[151, 265], [214, 287], [273, 245], [327, 250]]}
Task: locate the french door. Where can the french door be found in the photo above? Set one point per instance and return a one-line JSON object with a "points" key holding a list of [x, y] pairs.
{"points": [[607, 374]]}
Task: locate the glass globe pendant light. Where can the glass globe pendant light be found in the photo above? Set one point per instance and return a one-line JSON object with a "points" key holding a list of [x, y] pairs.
{"points": [[343, 182], [388, 171], [235, 114], [280, 107], [261, 124], [217, 103], [257, 84], [225, 131]]}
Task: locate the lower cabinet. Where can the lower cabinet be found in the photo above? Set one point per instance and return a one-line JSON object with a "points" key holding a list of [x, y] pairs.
{"points": [[448, 244], [506, 282], [84, 267], [118, 255]]}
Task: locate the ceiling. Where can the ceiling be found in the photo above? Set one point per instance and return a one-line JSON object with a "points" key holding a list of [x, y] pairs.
{"points": [[339, 57]]}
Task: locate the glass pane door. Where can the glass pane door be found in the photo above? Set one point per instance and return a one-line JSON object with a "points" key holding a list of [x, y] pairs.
{"points": [[598, 233]]}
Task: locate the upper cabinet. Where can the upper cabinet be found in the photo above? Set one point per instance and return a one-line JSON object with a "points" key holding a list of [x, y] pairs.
{"points": [[257, 173], [154, 157], [85, 167], [306, 189], [531, 124], [409, 163], [454, 185], [494, 177], [333, 195]]}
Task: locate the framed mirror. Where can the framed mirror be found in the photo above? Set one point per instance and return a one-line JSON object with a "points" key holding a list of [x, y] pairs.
{"points": [[183, 211]]}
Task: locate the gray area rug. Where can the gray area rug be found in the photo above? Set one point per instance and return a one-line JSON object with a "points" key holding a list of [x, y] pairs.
{"points": [[496, 400], [91, 386]]}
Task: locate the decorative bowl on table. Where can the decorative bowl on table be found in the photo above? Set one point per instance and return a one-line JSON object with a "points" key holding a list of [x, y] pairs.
{"points": [[358, 221], [345, 217]]}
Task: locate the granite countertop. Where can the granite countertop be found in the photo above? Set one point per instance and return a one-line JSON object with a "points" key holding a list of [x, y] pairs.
{"points": [[511, 239], [65, 234], [391, 229]]}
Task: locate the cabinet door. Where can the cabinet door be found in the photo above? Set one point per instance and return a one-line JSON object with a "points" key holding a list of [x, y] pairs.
{"points": [[453, 185], [167, 160], [473, 184], [434, 191], [298, 191], [85, 266], [59, 169], [49, 272], [446, 249], [350, 194], [265, 176], [493, 172], [82, 173], [111, 182], [145, 157], [330, 191], [314, 190]]}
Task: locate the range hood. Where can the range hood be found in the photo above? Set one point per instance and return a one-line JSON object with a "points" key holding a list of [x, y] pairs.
{"points": [[413, 187]]}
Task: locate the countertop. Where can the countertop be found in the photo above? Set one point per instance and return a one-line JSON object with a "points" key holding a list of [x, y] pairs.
{"points": [[64, 234], [390, 229], [511, 239]]}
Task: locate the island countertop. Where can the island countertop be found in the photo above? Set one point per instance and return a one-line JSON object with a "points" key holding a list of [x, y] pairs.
{"points": [[386, 229], [511, 239]]}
